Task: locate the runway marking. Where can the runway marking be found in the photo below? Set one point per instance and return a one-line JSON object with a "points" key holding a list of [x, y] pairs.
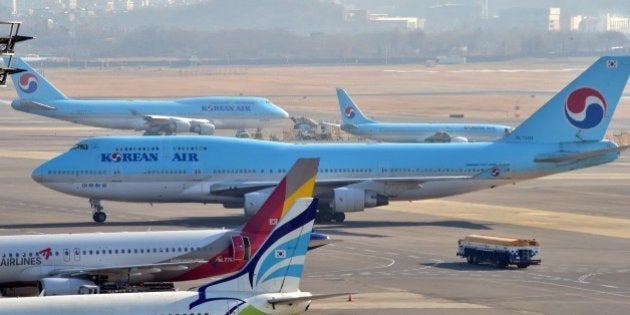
{"points": [[604, 226], [391, 300], [32, 155]]}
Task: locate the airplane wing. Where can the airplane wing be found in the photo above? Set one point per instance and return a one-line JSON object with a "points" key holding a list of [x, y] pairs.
{"points": [[135, 269], [239, 188], [161, 119], [289, 300], [566, 157]]}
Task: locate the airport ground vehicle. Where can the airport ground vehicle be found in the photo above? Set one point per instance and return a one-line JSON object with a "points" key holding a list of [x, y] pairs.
{"points": [[500, 251]]}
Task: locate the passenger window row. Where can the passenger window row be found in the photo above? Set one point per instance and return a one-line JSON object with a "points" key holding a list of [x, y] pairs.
{"points": [[135, 149], [113, 251]]}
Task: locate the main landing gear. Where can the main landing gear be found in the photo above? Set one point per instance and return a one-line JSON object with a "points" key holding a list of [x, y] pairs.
{"points": [[325, 214], [98, 215]]}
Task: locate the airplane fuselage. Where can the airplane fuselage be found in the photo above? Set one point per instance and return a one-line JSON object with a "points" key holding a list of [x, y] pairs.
{"points": [[430, 132], [29, 258], [192, 169], [222, 112]]}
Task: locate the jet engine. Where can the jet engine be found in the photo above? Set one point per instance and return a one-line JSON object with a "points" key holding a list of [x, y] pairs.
{"points": [[202, 128], [62, 286], [254, 200], [459, 139], [353, 200], [177, 125]]}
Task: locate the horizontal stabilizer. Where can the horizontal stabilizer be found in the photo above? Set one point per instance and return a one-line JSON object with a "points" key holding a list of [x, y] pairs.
{"points": [[349, 127], [34, 105], [290, 300], [578, 156], [318, 240]]}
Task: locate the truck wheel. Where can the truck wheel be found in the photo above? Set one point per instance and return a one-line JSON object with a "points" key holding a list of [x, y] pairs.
{"points": [[522, 265], [502, 263], [470, 259]]}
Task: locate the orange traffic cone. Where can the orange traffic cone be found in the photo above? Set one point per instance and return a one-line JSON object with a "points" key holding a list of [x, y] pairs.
{"points": [[349, 297]]}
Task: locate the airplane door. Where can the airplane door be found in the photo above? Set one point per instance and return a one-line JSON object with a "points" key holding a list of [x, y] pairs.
{"points": [[77, 254], [238, 248], [66, 254], [383, 169]]}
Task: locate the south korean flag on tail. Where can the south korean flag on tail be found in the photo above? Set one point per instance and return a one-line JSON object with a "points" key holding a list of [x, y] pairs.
{"points": [[611, 63], [281, 253]]}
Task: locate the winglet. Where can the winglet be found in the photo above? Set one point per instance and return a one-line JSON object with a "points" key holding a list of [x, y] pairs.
{"points": [[582, 110], [350, 112]]}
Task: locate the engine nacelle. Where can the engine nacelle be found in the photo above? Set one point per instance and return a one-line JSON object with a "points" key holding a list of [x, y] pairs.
{"points": [[62, 286], [254, 200], [353, 200], [203, 128], [459, 139], [177, 125]]}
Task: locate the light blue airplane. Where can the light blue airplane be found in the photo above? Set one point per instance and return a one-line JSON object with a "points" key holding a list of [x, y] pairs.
{"points": [[356, 123], [200, 115], [563, 135]]}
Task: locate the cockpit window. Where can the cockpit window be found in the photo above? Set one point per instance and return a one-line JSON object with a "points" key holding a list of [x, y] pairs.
{"points": [[80, 146]]}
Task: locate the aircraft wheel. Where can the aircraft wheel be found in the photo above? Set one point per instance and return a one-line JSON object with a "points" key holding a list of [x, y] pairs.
{"points": [[339, 217], [99, 217]]}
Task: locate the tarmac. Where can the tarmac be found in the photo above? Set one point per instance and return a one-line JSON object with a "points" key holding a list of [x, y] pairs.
{"points": [[398, 259]]}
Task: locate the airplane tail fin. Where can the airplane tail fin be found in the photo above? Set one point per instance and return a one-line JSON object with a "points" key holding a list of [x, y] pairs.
{"points": [[299, 182], [290, 213], [582, 110], [278, 265], [350, 112], [31, 85]]}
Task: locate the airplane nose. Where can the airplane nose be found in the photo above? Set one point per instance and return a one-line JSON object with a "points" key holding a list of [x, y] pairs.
{"points": [[282, 113], [38, 174]]}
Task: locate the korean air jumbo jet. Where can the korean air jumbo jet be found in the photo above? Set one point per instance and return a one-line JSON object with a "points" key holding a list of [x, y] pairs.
{"points": [[200, 115], [356, 123], [267, 284], [563, 135], [61, 264]]}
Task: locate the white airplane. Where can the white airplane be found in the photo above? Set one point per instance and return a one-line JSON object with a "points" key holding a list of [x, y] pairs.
{"points": [[267, 284], [200, 115], [63, 263], [356, 123], [565, 134]]}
